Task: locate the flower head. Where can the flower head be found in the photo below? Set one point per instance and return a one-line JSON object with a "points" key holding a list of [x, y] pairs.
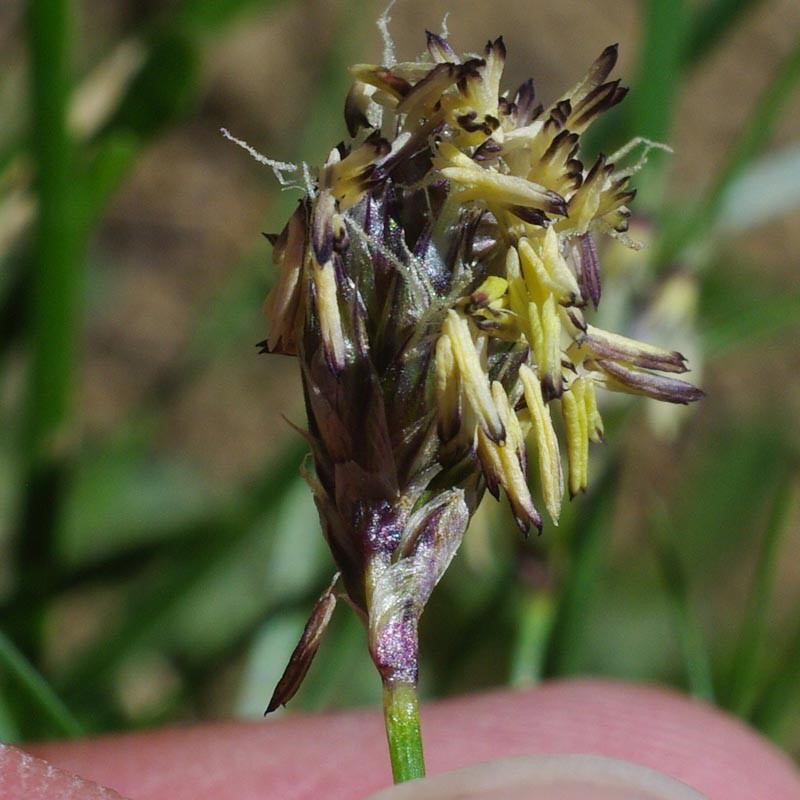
{"points": [[433, 283]]}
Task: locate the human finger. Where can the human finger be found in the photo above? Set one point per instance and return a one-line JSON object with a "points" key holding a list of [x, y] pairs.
{"points": [[343, 755]]}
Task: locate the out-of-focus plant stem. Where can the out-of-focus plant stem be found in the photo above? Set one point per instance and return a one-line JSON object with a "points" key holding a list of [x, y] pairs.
{"points": [[401, 714], [744, 682], [536, 608], [567, 638], [687, 623], [534, 623], [56, 288], [665, 28], [54, 305]]}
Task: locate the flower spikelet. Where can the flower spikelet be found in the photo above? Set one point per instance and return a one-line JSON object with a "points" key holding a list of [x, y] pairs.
{"points": [[433, 284]]}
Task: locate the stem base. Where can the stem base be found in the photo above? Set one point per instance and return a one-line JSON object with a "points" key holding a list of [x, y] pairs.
{"points": [[401, 714]]}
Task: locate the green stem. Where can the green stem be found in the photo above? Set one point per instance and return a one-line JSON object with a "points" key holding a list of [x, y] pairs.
{"points": [[57, 274], [534, 625], [401, 714], [54, 305], [653, 109]]}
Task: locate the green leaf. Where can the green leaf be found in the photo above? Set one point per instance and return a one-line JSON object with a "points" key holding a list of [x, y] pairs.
{"points": [[54, 301], [721, 495], [688, 38], [57, 258], [750, 325], [760, 126]]}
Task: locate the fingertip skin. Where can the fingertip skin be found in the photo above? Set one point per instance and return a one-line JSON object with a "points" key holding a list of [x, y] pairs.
{"points": [[711, 751], [25, 777], [343, 756]]}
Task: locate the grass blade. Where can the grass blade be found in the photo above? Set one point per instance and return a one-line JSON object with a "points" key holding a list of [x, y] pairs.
{"points": [[56, 262], [703, 30], [697, 661], [653, 102], [684, 232], [54, 298], [773, 710], [739, 314], [185, 571], [759, 128], [584, 564], [710, 23], [209, 16], [41, 696], [650, 108], [9, 730], [744, 681], [659, 67], [535, 616]]}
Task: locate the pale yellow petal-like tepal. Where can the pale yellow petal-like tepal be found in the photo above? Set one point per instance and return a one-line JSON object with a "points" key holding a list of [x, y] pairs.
{"points": [[544, 434], [504, 461], [474, 380], [538, 280], [330, 320], [502, 189], [594, 421], [518, 298], [563, 279], [550, 370], [573, 409], [448, 389], [492, 289]]}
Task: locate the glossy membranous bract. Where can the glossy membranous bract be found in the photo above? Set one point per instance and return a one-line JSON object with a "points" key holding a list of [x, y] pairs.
{"points": [[433, 285]]}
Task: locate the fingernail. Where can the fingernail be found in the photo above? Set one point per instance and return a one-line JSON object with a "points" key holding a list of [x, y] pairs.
{"points": [[546, 777]]}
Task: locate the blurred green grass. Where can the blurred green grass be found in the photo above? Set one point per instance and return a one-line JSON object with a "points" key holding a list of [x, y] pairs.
{"points": [[133, 591]]}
